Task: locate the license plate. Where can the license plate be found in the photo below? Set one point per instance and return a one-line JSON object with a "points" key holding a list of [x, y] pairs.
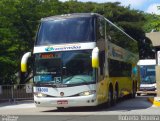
{"points": [[60, 102]]}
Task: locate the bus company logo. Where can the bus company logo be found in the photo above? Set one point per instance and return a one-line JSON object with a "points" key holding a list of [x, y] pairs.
{"points": [[74, 47], [49, 49]]}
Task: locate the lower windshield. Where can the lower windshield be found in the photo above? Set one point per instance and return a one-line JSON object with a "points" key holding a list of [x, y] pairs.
{"points": [[73, 67], [147, 74]]}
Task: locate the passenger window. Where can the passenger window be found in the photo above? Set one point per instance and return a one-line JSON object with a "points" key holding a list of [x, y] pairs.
{"points": [[101, 62], [100, 29]]}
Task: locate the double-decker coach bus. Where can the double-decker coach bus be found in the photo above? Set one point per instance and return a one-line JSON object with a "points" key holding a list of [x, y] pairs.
{"points": [[82, 59]]}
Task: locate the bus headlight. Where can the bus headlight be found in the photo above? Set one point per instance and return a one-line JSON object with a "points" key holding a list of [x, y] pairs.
{"points": [[86, 93], [40, 95]]}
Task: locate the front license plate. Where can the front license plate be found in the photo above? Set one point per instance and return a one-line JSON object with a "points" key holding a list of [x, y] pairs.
{"points": [[60, 102]]}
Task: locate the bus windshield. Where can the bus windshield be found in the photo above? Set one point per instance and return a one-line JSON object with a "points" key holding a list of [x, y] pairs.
{"points": [[147, 74], [72, 67], [67, 30]]}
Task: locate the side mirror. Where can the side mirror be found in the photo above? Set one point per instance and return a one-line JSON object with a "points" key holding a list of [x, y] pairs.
{"points": [[95, 58], [24, 61]]}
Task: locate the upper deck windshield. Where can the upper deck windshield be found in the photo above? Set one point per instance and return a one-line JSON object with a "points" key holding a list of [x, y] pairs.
{"points": [[147, 74], [72, 67], [66, 30]]}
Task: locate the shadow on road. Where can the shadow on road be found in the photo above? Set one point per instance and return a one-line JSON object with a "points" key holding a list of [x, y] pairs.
{"points": [[123, 105]]}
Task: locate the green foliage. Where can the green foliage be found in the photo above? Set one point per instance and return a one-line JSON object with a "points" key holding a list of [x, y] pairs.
{"points": [[20, 19], [152, 22]]}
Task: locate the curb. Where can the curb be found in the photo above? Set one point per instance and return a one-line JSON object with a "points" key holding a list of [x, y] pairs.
{"points": [[154, 101]]}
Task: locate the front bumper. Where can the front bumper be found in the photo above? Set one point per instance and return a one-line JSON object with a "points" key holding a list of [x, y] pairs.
{"points": [[66, 101], [147, 89]]}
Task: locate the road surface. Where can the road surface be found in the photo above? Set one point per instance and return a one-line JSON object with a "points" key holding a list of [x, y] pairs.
{"points": [[130, 107]]}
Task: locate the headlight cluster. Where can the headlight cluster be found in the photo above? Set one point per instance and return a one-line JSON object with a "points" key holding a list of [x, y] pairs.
{"points": [[86, 93], [40, 94]]}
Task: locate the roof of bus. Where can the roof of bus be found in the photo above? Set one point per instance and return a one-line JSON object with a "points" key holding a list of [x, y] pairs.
{"points": [[70, 16], [147, 62]]}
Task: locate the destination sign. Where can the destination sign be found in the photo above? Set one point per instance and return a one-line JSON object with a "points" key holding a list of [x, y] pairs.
{"points": [[47, 55]]}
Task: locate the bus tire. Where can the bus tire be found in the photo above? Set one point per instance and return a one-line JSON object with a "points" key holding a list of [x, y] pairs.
{"points": [[60, 108], [116, 94], [133, 90], [138, 94], [110, 97]]}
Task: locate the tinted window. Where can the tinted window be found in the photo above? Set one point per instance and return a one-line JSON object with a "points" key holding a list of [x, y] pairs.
{"points": [[100, 29], [119, 69], [101, 61], [73, 67], [66, 31], [121, 39], [147, 74]]}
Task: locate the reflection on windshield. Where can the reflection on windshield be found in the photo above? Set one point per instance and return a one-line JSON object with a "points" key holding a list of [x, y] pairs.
{"points": [[77, 79], [64, 68], [72, 29], [147, 74]]}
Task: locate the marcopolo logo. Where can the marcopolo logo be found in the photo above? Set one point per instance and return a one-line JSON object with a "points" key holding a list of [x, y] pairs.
{"points": [[49, 49], [74, 47]]}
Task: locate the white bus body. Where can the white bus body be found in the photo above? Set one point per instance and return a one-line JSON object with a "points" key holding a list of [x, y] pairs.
{"points": [[147, 76]]}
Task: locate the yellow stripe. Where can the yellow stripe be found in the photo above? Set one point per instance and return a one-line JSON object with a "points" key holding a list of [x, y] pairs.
{"points": [[95, 63], [23, 67], [154, 102]]}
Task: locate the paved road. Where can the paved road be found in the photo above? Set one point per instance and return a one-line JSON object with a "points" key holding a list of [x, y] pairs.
{"points": [[138, 106]]}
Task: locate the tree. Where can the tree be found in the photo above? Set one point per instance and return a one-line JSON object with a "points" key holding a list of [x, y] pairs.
{"points": [[152, 22], [9, 43], [20, 19]]}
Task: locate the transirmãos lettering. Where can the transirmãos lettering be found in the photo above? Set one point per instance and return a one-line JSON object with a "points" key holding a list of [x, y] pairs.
{"points": [[62, 48]]}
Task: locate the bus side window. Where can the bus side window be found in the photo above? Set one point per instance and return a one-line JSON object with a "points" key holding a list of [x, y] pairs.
{"points": [[101, 62], [100, 29]]}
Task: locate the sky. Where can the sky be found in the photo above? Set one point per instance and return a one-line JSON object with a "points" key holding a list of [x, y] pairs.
{"points": [[148, 6]]}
